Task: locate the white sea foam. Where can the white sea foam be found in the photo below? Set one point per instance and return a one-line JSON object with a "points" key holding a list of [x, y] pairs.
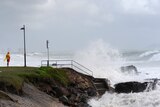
{"points": [[148, 53], [1, 56], [104, 61], [143, 99], [151, 55], [155, 57], [34, 54]]}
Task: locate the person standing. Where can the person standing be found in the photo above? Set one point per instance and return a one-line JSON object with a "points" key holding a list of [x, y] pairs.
{"points": [[8, 57]]}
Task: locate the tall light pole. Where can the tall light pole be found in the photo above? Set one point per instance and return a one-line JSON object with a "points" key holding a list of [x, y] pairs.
{"points": [[23, 28], [47, 45]]}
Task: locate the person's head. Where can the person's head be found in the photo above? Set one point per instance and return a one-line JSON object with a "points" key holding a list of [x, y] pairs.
{"points": [[8, 52]]}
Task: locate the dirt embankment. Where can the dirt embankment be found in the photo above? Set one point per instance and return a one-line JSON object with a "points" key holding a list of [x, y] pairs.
{"points": [[32, 97], [48, 88]]}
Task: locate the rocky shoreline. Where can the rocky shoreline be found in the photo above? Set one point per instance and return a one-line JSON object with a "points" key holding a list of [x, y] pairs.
{"points": [[75, 94], [50, 92]]}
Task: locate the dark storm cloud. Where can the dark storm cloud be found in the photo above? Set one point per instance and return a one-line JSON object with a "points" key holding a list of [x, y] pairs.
{"points": [[70, 24]]}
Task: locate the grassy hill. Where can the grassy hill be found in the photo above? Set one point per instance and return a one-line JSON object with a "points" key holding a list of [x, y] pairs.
{"points": [[66, 84], [15, 76]]}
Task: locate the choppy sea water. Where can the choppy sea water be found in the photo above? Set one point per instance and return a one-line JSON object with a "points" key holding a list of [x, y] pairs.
{"points": [[105, 62]]}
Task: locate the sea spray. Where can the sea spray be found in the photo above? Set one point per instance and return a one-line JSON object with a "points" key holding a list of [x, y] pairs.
{"points": [[103, 60], [142, 99], [149, 53]]}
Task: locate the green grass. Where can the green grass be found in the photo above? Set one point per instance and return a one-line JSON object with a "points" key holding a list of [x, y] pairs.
{"points": [[16, 76], [56, 73]]}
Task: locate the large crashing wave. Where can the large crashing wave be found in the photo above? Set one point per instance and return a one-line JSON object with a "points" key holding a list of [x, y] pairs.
{"points": [[143, 99], [155, 57], [151, 55], [103, 60]]}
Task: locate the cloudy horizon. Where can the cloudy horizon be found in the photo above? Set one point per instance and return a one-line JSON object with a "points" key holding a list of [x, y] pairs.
{"points": [[71, 24]]}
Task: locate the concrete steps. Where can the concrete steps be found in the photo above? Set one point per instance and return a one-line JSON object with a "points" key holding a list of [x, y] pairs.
{"points": [[101, 85]]}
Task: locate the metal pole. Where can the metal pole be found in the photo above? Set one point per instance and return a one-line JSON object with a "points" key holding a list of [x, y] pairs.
{"points": [[23, 28], [47, 43], [24, 46]]}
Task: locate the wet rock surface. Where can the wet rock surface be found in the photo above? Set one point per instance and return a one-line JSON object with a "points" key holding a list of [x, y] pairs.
{"points": [[129, 87], [75, 94], [48, 92], [129, 69], [133, 86], [79, 90]]}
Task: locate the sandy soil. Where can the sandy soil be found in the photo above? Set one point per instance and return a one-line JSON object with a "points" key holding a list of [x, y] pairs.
{"points": [[32, 98]]}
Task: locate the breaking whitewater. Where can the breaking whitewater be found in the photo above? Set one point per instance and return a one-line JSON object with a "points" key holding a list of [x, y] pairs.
{"points": [[105, 62]]}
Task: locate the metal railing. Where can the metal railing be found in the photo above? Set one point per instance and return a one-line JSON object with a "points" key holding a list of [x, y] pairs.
{"points": [[68, 63]]}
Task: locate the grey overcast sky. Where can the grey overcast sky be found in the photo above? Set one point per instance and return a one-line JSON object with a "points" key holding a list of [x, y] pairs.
{"points": [[72, 24]]}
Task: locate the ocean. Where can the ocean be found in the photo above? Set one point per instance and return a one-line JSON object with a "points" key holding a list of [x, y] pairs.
{"points": [[148, 65], [105, 62]]}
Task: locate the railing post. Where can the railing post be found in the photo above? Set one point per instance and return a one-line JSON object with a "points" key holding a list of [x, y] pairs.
{"points": [[41, 63], [56, 64], [72, 64]]}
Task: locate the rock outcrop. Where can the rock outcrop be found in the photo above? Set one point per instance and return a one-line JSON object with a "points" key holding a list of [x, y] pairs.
{"points": [[76, 93], [65, 87], [128, 87], [129, 69]]}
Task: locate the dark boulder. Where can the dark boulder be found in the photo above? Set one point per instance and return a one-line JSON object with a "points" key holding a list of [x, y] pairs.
{"points": [[91, 92], [72, 98], [128, 87], [81, 104], [64, 100], [58, 91], [129, 69], [65, 91], [83, 98]]}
